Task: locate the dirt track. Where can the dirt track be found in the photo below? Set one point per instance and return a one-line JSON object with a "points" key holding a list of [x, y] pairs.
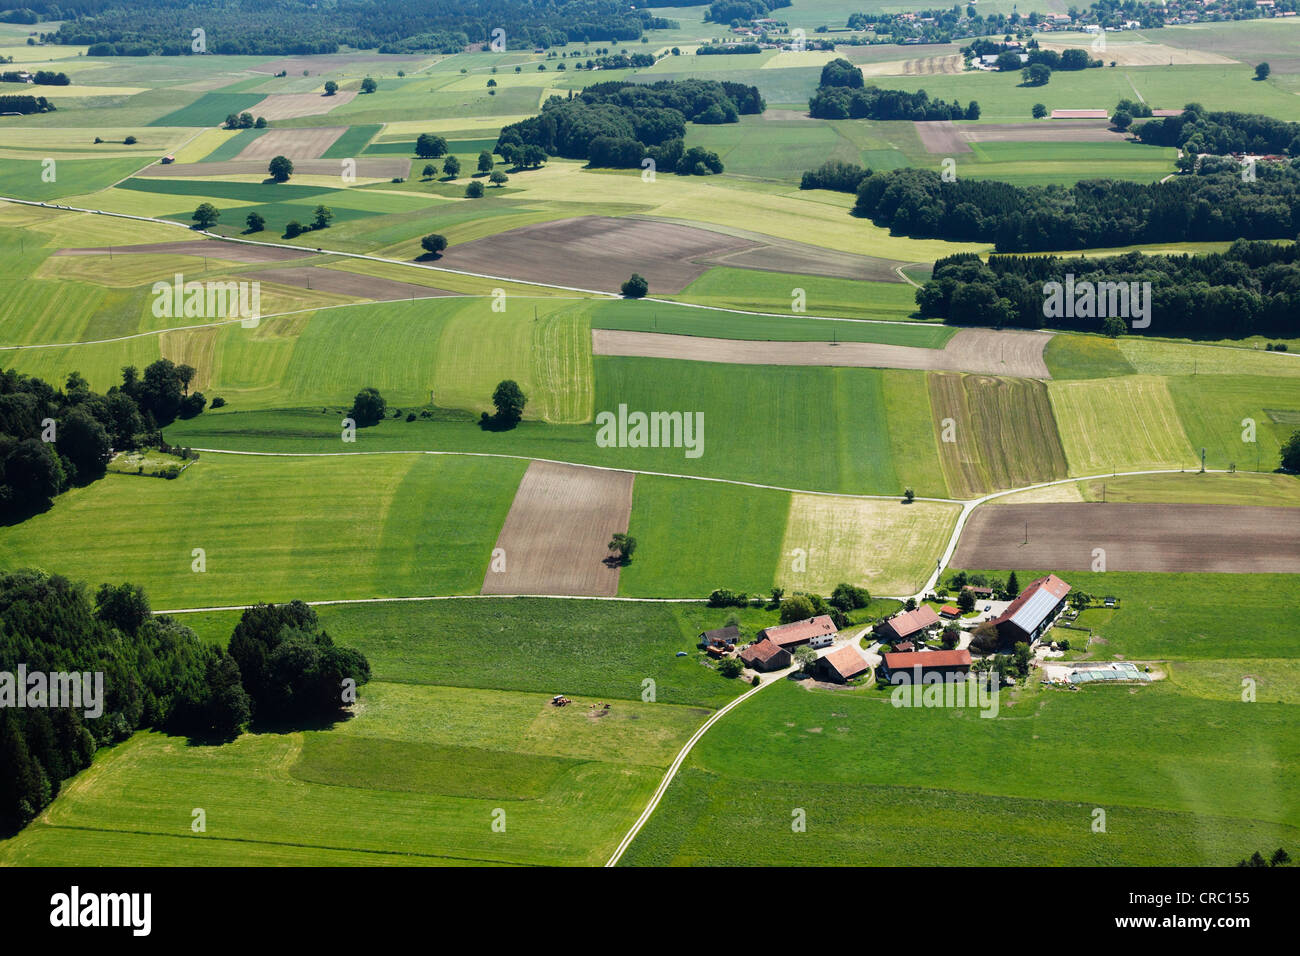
{"points": [[345, 283], [970, 350], [230, 251], [1237, 539], [601, 252], [556, 535]]}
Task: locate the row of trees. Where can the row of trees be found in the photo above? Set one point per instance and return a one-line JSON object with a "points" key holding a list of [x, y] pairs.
{"points": [[52, 439], [40, 78], [24, 104], [849, 101], [1251, 289], [1215, 204], [279, 666]]}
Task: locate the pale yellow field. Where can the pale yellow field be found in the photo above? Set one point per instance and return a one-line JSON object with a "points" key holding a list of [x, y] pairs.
{"points": [[409, 129], [1119, 424], [1126, 52], [69, 230], [787, 59], [1052, 494], [1150, 357], [204, 143], [884, 545]]}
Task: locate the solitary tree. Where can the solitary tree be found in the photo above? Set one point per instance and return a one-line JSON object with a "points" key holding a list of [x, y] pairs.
{"points": [[1013, 584], [908, 496], [129, 141], [509, 400], [369, 407], [635, 287], [1262, 71], [1039, 111], [434, 243], [485, 162], [498, 178], [331, 87], [623, 545], [280, 168], [451, 167], [255, 221], [368, 85], [206, 216], [1291, 453], [430, 171], [323, 215], [474, 190]]}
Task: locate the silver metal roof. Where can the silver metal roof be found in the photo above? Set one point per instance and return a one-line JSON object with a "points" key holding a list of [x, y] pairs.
{"points": [[1034, 611]]}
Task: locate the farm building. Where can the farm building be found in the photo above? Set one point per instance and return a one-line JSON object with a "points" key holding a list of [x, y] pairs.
{"points": [[1030, 614], [765, 656], [906, 623], [950, 611], [917, 665], [720, 636], [801, 632], [978, 592], [841, 665]]}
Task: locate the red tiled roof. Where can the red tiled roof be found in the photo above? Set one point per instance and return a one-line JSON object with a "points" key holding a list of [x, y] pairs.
{"points": [[846, 661], [907, 623], [950, 610], [762, 652], [924, 659], [905, 646], [797, 632]]}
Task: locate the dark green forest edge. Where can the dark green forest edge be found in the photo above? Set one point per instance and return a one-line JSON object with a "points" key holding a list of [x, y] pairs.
{"points": [[280, 669]]}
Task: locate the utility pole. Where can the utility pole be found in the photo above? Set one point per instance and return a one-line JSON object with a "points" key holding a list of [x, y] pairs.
{"points": [[1026, 532]]}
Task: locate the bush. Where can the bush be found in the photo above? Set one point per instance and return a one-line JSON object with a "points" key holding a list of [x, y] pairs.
{"points": [[730, 667], [218, 402], [474, 190]]}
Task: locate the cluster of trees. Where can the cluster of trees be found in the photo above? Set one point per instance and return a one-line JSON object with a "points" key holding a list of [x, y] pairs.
{"points": [[287, 27], [41, 78], [24, 104], [736, 12], [618, 124], [1253, 288], [52, 439], [1197, 130], [245, 121], [842, 95], [157, 674], [723, 49], [837, 175], [1216, 204]]}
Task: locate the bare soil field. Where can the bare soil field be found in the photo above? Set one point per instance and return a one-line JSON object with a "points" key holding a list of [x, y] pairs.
{"points": [[367, 168], [345, 283], [279, 106], [1041, 131], [1238, 539], [943, 138], [922, 66], [1146, 54], [214, 248], [556, 535], [295, 143], [970, 350], [600, 252]]}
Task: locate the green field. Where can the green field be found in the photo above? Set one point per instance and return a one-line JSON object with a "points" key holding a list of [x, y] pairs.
{"points": [[1119, 424], [278, 529], [753, 291], [852, 764]]}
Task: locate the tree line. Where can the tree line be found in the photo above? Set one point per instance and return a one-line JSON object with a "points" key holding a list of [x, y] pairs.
{"points": [[40, 78], [25, 103], [1251, 289], [279, 666], [1215, 204], [1219, 133], [841, 94], [286, 27], [51, 439]]}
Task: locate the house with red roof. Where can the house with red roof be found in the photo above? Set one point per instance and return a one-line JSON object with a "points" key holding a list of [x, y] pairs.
{"points": [[911, 668], [818, 631], [906, 624], [765, 655], [1032, 613], [841, 665]]}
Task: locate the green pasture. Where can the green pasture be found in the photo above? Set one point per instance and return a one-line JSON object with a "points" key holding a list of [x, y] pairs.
{"points": [[751, 290]]}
